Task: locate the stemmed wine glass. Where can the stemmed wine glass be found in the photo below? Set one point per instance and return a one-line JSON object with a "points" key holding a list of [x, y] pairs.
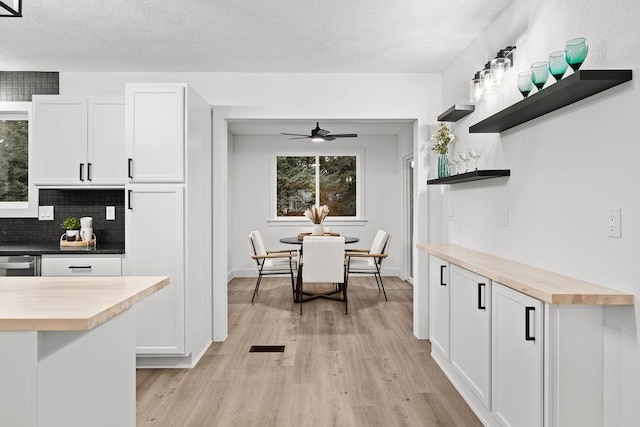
{"points": [[557, 64], [475, 154], [540, 74], [464, 156], [575, 51], [524, 83]]}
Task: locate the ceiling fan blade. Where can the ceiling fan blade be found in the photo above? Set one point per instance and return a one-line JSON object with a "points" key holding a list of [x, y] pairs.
{"points": [[301, 137], [322, 132], [345, 135], [294, 134], [329, 138]]}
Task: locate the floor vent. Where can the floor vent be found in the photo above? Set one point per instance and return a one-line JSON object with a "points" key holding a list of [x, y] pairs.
{"points": [[266, 349]]}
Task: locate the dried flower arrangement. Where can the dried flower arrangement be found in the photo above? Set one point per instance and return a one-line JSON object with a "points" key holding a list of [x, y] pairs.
{"points": [[317, 214], [443, 137]]}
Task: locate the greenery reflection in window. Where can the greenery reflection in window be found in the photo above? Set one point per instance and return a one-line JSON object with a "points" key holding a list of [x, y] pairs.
{"points": [[14, 160], [301, 178]]}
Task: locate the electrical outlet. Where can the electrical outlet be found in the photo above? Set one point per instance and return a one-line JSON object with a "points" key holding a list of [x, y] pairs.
{"points": [[110, 213], [505, 217], [450, 213], [614, 223], [45, 213]]}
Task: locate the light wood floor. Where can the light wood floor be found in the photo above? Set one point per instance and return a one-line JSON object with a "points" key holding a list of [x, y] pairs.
{"points": [[361, 369]]}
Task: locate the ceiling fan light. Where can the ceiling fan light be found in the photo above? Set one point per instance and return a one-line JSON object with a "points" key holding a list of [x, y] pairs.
{"points": [[317, 138]]}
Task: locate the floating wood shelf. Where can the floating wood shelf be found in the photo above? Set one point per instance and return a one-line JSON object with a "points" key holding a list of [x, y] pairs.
{"points": [[470, 176], [573, 88], [456, 112]]}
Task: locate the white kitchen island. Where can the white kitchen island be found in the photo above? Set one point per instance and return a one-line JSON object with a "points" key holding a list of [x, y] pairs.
{"points": [[67, 349]]}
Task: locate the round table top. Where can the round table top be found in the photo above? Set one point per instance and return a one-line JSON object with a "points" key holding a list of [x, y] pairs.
{"points": [[294, 240]]}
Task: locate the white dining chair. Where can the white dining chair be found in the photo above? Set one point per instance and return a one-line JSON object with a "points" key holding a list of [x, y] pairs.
{"points": [[369, 261], [271, 262], [323, 261]]}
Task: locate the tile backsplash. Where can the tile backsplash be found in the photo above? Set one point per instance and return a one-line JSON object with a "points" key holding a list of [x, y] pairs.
{"points": [[20, 85], [67, 203]]}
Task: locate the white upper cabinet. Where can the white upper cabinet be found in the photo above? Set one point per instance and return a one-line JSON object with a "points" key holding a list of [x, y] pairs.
{"points": [[155, 133], [106, 144], [79, 141]]}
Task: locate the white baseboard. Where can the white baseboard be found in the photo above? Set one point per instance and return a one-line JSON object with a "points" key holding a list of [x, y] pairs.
{"points": [[187, 362], [248, 272]]}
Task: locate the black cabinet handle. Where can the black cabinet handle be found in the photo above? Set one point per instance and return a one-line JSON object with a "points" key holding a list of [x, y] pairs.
{"points": [[480, 293], [527, 326], [129, 199], [79, 267], [130, 168], [89, 171], [442, 267], [82, 172]]}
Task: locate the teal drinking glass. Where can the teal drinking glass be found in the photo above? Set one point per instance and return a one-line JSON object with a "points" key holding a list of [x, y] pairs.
{"points": [[524, 83], [540, 73], [575, 52], [557, 64]]}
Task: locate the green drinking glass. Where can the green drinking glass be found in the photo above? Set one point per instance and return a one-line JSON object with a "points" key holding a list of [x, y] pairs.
{"points": [[524, 83], [540, 73], [557, 64], [575, 52]]}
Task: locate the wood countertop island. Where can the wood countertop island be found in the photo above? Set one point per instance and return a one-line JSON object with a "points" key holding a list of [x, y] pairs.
{"points": [[544, 285], [68, 349]]}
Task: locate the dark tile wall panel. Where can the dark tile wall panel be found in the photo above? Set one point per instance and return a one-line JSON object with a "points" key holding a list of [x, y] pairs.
{"points": [[67, 203], [18, 86]]}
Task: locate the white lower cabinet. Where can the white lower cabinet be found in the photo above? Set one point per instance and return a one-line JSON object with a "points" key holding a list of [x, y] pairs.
{"points": [[517, 327], [439, 313], [471, 330], [81, 265], [155, 247]]}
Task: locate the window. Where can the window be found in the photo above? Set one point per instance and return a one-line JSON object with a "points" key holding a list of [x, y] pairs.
{"points": [[303, 180], [18, 196]]}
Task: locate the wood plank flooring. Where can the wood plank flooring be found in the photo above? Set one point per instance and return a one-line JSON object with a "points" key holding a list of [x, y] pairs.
{"points": [[361, 369]]}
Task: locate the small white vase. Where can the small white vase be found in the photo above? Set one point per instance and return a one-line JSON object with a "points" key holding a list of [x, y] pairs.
{"points": [[73, 235], [317, 230]]}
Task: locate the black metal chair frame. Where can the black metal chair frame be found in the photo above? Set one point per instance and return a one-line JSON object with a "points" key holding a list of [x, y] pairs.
{"points": [[260, 261], [377, 261], [340, 287]]}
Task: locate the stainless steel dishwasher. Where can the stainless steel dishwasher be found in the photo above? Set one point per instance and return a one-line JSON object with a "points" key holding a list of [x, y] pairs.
{"points": [[20, 265]]}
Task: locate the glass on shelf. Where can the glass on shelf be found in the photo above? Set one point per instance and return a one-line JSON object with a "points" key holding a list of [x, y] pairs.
{"points": [[540, 73], [575, 51], [524, 83], [475, 154], [465, 157], [557, 64]]}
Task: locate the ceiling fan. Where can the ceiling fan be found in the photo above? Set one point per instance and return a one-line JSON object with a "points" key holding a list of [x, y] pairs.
{"points": [[320, 135]]}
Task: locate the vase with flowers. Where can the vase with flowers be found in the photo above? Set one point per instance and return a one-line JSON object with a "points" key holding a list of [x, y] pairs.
{"points": [[317, 214], [443, 137]]}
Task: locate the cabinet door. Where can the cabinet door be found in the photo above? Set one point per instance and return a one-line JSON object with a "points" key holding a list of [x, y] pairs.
{"points": [[517, 358], [439, 305], [60, 126], [106, 163], [155, 247], [155, 133], [471, 330]]}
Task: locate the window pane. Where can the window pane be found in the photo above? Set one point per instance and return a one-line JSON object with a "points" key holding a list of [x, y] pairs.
{"points": [[338, 184], [14, 160], [296, 184]]}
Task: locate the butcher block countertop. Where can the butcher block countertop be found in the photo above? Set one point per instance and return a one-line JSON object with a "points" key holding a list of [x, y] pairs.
{"points": [[69, 303], [541, 284]]}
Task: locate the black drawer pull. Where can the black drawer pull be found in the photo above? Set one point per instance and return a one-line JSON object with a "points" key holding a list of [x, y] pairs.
{"points": [[82, 172], [89, 171], [130, 168], [442, 267], [527, 321], [129, 199], [480, 293], [79, 267]]}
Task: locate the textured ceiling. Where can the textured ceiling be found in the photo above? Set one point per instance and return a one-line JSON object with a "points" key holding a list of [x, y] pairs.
{"points": [[242, 35]]}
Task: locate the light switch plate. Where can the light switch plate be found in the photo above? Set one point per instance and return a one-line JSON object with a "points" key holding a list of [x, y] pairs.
{"points": [[111, 213], [504, 220], [45, 213], [614, 223]]}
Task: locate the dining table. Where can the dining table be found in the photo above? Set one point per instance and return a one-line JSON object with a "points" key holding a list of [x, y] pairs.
{"points": [[294, 240]]}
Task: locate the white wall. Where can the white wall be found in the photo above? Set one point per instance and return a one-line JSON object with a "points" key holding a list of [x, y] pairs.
{"points": [[249, 191], [566, 169], [284, 96]]}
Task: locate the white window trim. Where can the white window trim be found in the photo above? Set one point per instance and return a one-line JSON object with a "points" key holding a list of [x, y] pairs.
{"points": [[359, 219], [29, 209]]}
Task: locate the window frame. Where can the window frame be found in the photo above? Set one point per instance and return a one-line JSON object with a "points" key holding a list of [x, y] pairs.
{"points": [[28, 209], [358, 153]]}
